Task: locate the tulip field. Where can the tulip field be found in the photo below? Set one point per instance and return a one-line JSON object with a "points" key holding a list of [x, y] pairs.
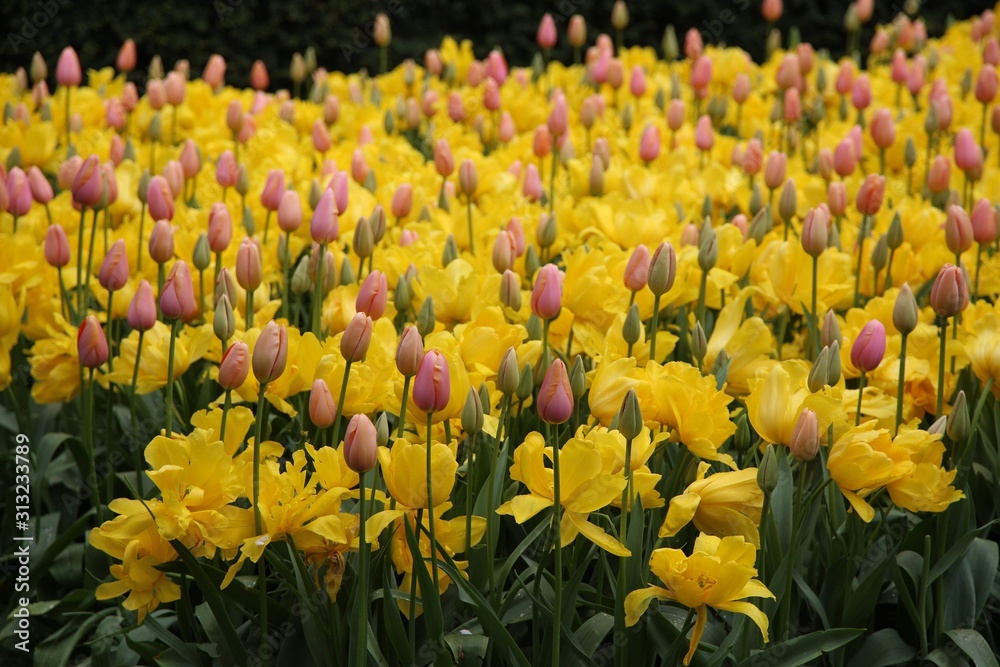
{"points": [[660, 356]]}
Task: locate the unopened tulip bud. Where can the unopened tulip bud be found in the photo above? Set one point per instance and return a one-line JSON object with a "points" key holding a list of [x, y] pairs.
{"points": [[871, 194], [816, 379], [637, 269], [950, 293], [425, 318], [632, 328], [869, 347], [968, 154], [708, 251], [774, 170], [472, 413], [468, 180], [450, 252], [555, 396], [526, 383], [409, 352], [364, 239], [114, 271], [68, 71], [805, 436], [57, 252], [177, 299], [788, 202], [324, 228], [767, 471], [905, 313], [894, 237], [958, 230], [958, 421], [508, 375], [814, 231], [510, 290], [830, 331], [373, 295], [249, 268], [880, 254], [270, 353], [534, 327], [432, 383], [91, 344], [322, 407], [202, 256], [546, 296], [225, 284], [662, 269], [504, 252], [224, 321], [161, 242]]}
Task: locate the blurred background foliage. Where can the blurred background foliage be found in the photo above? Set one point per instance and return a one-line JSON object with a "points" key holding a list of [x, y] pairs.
{"points": [[244, 30]]}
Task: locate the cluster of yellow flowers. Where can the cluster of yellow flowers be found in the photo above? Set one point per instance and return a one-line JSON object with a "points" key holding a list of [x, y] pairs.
{"points": [[524, 235]]}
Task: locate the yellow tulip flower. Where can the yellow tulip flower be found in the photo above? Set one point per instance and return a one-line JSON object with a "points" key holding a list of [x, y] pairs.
{"points": [[777, 399], [719, 573], [138, 574], [864, 459], [723, 504]]}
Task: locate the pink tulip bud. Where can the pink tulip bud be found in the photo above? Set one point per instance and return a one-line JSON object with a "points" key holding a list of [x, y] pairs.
{"points": [[558, 119], [814, 231], [576, 33], [410, 351], [602, 151], [546, 36], [324, 227], [836, 197], [968, 154], [114, 270], [883, 128], [322, 408], [845, 77], [789, 74], [861, 93], [270, 353], [741, 88], [939, 178], [56, 246], [220, 227], [506, 130], [290, 211], [114, 115], [844, 158], [248, 128], [774, 170], [864, 10], [950, 293], [532, 188], [320, 137], [701, 73], [637, 81], [772, 10], [68, 71], [360, 442], [68, 171], [432, 383], [274, 190], [407, 238], [174, 88], [957, 230], [991, 52], [542, 143], [161, 242], [249, 269], [637, 269], [125, 62], [753, 157], [357, 336], [402, 200], [373, 295], [899, 66], [504, 252], [869, 347], [142, 308], [234, 366], [173, 174], [703, 137], [91, 344], [177, 299], [986, 84], [793, 106], [160, 199], [88, 186], [984, 222], [546, 295], [516, 232], [805, 436], [214, 73], [616, 73], [468, 179], [649, 144], [259, 78], [19, 192], [555, 396], [675, 115], [870, 194], [227, 172], [693, 44]]}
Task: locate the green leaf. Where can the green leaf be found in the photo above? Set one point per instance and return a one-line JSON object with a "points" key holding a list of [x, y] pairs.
{"points": [[983, 559], [802, 650], [956, 551], [812, 599], [429, 599], [468, 649], [491, 624], [882, 649], [103, 644], [593, 631], [974, 646], [182, 649], [394, 619], [56, 650], [862, 600]]}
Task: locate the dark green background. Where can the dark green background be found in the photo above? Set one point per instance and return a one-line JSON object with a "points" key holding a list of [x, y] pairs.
{"points": [[243, 30]]}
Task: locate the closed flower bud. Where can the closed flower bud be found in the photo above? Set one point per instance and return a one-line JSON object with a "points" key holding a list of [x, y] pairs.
{"points": [[939, 427], [662, 269], [322, 407], [270, 352], [555, 396], [870, 194], [224, 322], [805, 436], [468, 179], [950, 293], [88, 185], [957, 230], [814, 231], [201, 258], [57, 252], [905, 313], [508, 375], [788, 202], [142, 308], [409, 352], [450, 252], [225, 284], [767, 471], [546, 296], [356, 337], [958, 421], [432, 383], [637, 269], [880, 254], [504, 252], [816, 379], [708, 251], [830, 331], [472, 413], [114, 272], [894, 237], [632, 328], [869, 347], [373, 295], [361, 438], [939, 177], [177, 299], [833, 366], [774, 170], [249, 268], [547, 231], [910, 153], [324, 228], [91, 344], [510, 290], [425, 318], [525, 383]]}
